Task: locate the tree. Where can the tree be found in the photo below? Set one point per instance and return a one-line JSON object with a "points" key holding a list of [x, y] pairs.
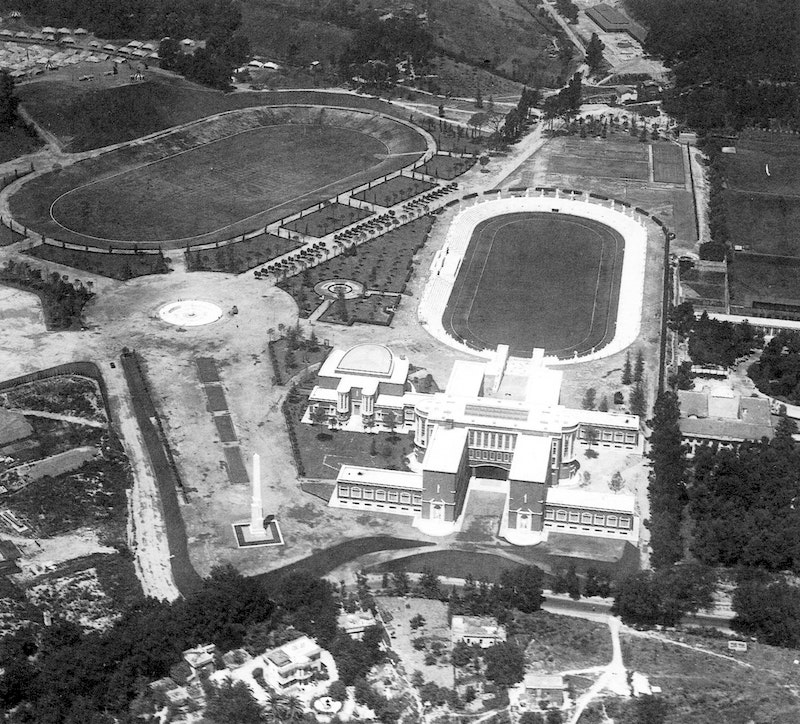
{"points": [[638, 400], [597, 583], [8, 101], [429, 583], [390, 421], [627, 373], [594, 53], [505, 664], [169, 50], [683, 377], [638, 370], [318, 414], [461, 655], [592, 434], [416, 622], [232, 703], [617, 483], [589, 397], [400, 583], [520, 588], [603, 406]]}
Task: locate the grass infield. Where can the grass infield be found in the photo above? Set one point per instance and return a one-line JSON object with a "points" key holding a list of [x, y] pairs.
{"points": [[217, 184], [537, 279], [668, 163]]}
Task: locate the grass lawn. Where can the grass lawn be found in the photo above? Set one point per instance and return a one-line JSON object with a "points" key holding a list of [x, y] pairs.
{"points": [[766, 223], [603, 166], [394, 191], [454, 564], [216, 179], [704, 284], [216, 184], [752, 278], [382, 264], [746, 170], [241, 255], [523, 262], [447, 167], [324, 451], [116, 266], [705, 689], [8, 236], [324, 561], [329, 218], [17, 141], [668, 163]]}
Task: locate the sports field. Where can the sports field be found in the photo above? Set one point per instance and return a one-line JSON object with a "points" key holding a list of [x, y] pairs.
{"points": [[216, 179], [537, 279], [602, 159], [217, 184], [668, 163]]}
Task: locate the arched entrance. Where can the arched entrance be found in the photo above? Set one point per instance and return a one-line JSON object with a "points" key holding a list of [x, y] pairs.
{"points": [[490, 472]]}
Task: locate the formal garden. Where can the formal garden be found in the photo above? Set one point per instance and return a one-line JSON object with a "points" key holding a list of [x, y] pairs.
{"points": [[394, 191], [329, 218], [321, 449], [239, 256], [383, 265]]}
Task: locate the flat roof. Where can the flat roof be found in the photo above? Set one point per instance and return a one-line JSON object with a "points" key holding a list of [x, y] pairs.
{"points": [[577, 498], [445, 449], [465, 379], [531, 459], [607, 419], [380, 477]]}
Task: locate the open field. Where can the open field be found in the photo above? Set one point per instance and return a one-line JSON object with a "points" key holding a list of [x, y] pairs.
{"points": [[766, 223], [706, 689], [16, 141], [116, 266], [215, 185], [762, 197], [215, 179], [523, 263], [753, 278], [668, 163]]}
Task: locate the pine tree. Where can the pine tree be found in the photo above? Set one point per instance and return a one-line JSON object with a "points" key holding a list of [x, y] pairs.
{"points": [[603, 406], [638, 370], [627, 375], [638, 400]]}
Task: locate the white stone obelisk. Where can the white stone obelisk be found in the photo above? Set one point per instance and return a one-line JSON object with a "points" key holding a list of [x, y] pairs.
{"points": [[256, 509]]}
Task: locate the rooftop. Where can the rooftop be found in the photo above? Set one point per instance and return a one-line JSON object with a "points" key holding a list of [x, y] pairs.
{"points": [[576, 497], [445, 449], [476, 626], [531, 459], [378, 476]]}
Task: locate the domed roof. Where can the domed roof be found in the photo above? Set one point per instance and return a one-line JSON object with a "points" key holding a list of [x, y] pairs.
{"points": [[367, 359]]}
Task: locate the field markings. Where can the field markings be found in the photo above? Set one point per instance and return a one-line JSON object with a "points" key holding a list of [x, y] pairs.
{"points": [[226, 226], [580, 223]]}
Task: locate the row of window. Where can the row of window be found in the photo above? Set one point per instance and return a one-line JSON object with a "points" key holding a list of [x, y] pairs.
{"points": [[496, 440], [611, 521], [629, 438], [393, 496], [490, 455]]}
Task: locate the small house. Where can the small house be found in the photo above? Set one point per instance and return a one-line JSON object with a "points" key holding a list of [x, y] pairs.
{"points": [[355, 624], [483, 631], [201, 659], [545, 690]]}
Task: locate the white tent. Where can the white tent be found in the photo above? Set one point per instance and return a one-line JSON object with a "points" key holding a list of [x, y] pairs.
{"points": [[48, 29], [94, 44], [63, 31], [81, 31]]}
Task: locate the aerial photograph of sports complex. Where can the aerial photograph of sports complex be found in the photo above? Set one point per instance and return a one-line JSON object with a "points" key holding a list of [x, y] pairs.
{"points": [[428, 361]]}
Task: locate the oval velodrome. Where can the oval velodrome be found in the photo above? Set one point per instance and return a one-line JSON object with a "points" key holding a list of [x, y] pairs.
{"points": [[216, 180], [538, 279]]}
